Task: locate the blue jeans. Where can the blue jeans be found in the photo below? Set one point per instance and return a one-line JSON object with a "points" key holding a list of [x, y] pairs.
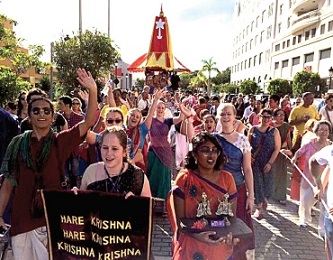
{"points": [[328, 224]]}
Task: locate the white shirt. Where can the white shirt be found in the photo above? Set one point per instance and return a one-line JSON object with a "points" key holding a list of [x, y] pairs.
{"points": [[323, 157]]}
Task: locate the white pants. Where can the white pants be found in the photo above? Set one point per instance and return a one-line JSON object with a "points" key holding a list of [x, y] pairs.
{"points": [[181, 148], [306, 201], [31, 245]]}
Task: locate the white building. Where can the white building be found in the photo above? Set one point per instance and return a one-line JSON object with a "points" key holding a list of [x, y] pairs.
{"points": [[289, 35]]}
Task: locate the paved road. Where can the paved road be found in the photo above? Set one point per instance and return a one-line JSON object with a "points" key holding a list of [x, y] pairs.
{"points": [[277, 235]]}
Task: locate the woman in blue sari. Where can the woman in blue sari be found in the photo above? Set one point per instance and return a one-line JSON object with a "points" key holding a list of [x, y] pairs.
{"points": [[238, 151]]}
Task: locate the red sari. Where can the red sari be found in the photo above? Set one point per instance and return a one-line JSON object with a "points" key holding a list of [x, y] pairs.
{"points": [[190, 187]]}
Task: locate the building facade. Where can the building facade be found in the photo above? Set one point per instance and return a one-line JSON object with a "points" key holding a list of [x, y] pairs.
{"points": [[289, 35]]}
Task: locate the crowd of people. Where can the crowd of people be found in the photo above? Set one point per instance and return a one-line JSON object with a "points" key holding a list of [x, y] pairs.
{"points": [[239, 148]]}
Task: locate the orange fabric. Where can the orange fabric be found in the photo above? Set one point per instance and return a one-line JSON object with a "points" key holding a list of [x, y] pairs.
{"points": [[191, 186]]}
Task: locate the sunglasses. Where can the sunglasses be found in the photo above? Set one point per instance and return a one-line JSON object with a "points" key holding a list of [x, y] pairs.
{"points": [[266, 117], [46, 110], [111, 121], [207, 151], [279, 115], [75, 103]]}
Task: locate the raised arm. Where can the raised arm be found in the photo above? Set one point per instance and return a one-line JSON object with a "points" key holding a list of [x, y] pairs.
{"points": [[152, 108], [86, 80]]}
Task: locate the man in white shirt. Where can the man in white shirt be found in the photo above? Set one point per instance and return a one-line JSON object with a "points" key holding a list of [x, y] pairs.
{"points": [[325, 157]]}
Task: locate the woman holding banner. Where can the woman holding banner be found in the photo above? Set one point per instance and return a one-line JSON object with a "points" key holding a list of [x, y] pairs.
{"points": [[115, 174]]}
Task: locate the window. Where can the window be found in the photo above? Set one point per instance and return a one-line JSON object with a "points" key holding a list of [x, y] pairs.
{"points": [[277, 47], [308, 57], [294, 40], [325, 54], [281, 9], [288, 22], [241, 65], [306, 35], [269, 32], [330, 26], [260, 58], [290, 3], [299, 38], [246, 47], [288, 43], [251, 41], [250, 60], [254, 60], [261, 36], [296, 60], [322, 29], [257, 21], [245, 64], [247, 30], [252, 24], [263, 16], [285, 64], [256, 40], [276, 65], [242, 49], [279, 27], [313, 32], [283, 45]]}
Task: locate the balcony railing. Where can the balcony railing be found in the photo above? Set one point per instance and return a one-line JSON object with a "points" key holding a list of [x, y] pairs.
{"points": [[305, 20]]}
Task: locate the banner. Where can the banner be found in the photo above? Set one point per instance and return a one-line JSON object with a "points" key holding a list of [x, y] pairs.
{"points": [[97, 225]]}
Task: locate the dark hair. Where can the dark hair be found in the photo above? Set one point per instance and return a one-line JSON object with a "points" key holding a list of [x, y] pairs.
{"points": [[275, 97], [36, 92], [322, 122], [67, 100], [266, 110], [19, 103], [275, 112], [43, 99], [197, 142], [203, 112], [328, 97], [11, 105]]}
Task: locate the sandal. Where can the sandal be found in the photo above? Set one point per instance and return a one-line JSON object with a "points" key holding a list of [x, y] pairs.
{"points": [[258, 214]]}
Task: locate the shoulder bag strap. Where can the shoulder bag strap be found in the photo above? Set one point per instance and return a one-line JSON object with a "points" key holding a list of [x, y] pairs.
{"points": [[261, 143]]}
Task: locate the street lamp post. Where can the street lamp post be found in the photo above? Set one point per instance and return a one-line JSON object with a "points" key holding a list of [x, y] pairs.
{"points": [[126, 76], [116, 81], [330, 74], [51, 72]]}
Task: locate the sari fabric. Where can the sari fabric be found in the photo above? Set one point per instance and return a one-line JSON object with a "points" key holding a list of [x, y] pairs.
{"points": [[190, 187], [234, 153]]}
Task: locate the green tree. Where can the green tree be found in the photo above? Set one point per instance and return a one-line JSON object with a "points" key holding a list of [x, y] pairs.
{"points": [[305, 81], [10, 85], [185, 80], [93, 51], [199, 80], [139, 83], [21, 60], [279, 86], [249, 87], [45, 83], [209, 66], [222, 77]]}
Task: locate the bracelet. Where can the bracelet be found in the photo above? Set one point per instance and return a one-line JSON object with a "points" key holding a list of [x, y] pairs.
{"points": [[269, 163]]}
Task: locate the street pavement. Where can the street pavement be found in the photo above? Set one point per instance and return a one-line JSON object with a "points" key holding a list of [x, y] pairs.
{"points": [[277, 235]]}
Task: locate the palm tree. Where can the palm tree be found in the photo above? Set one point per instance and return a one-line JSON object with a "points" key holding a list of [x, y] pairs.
{"points": [[209, 65]]}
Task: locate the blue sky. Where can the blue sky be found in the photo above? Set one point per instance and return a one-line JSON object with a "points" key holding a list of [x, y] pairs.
{"points": [[200, 29]]}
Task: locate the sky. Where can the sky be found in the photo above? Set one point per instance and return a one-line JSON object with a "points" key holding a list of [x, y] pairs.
{"points": [[200, 29]]}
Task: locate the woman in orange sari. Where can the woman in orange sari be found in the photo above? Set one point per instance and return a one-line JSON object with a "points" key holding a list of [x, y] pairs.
{"points": [[199, 189]]}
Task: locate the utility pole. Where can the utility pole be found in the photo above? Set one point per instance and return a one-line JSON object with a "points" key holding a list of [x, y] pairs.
{"points": [[51, 72], [80, 16]]}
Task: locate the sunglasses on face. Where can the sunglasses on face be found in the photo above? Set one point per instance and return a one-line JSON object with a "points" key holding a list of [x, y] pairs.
{"points": [[279, 115], [75, 103], [208, 151], [266, 117], [46, 110], [111, 121]]}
